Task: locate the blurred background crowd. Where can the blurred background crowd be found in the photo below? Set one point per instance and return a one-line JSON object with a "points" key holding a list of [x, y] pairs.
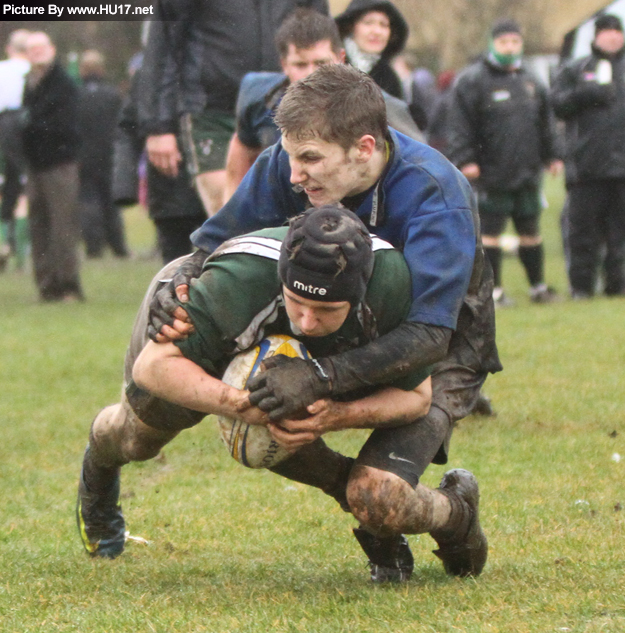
{"points": [[171, 113]]}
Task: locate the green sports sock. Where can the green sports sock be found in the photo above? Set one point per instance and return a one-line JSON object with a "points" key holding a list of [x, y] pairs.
{"points": [[22, 241], [5, 231]]}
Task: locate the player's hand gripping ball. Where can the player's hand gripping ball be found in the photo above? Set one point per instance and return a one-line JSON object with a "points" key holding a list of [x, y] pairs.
{"points": [[251, 445]]}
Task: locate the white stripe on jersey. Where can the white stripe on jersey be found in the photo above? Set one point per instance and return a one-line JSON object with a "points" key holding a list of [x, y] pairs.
{"points": [[269, 247], [252, 245]]}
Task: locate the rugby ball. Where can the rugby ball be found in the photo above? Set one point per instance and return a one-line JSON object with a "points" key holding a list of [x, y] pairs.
{"points": [[250, 445]]}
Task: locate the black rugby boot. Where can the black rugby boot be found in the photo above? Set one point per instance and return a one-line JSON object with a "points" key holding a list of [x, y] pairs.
{"points": [[463, 548], [390, 559]]}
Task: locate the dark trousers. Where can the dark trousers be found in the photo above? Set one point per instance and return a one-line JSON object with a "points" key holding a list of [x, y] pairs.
{"points": [[55, 230], [11, 190], [101, 222], [14, 168], [174, 235], [596, 221]]}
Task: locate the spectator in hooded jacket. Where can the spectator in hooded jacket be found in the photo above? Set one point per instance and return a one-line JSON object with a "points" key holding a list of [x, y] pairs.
{"points": [[373, 32], [589, 95], [502, 136]]}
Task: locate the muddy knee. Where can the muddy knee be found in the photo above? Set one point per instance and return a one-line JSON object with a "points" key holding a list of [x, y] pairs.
{"points": [[118, 437], [378, 499]]}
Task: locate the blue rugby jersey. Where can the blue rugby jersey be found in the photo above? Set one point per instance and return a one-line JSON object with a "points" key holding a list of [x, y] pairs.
{"points": [[421, 205]]}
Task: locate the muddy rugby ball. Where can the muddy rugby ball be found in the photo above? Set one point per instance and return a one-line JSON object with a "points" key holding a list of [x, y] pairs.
{"points": [[253, 446]]}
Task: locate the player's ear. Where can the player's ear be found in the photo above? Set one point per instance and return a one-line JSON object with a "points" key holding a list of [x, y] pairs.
{"points": [[365, 146]]}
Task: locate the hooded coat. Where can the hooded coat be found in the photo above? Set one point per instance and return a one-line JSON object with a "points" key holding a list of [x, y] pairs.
{"points": [[382, 72]]}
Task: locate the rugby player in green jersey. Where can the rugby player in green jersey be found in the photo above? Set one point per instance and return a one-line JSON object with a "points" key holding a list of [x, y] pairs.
{"points": [[327, 282]]}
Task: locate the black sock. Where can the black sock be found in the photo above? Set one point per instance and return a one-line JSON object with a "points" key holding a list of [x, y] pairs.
{"points": [[98, 478], [318, 465], [533, 258], [494, 257]]}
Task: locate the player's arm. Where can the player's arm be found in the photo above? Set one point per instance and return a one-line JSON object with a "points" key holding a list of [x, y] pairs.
{"points": [[572, 93], [163, 153], [238, 162], [388, 407], [157, 97], [165, 372]]}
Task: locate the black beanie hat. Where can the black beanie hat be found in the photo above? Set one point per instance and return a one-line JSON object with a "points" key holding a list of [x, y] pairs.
{"points": [[327, 256], [505, 25], [607, 22]]}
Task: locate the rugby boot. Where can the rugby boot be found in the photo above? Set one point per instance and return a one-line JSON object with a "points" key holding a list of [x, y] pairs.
{"points": [[502, 300], [99, 515], [542, 293], [390, 559], [464, 548]]}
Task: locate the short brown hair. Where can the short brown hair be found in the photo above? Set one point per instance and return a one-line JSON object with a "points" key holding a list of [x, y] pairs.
{"points": [[337, 104], [304, 28]]}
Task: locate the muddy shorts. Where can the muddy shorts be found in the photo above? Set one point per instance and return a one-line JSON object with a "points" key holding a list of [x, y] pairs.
{"points": [[205, 139], [152, 411]]}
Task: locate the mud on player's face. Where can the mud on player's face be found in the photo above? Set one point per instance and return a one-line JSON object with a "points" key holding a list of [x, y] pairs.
{"points": [[325, 171], [315, 318]]}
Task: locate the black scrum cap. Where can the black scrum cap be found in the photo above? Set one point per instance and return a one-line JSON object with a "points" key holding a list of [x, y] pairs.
{"points": [[327, 256]]}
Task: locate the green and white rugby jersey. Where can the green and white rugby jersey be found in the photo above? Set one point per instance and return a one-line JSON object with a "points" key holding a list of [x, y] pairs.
{"points": [[238, 299]]}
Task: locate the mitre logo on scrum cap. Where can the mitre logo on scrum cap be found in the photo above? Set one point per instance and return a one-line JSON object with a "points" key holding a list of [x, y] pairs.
{"points": [[309, 288]]}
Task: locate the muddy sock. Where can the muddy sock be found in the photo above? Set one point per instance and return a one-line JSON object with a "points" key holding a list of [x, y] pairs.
{"points": [[459, 520], [319, 466], [98, 478]]}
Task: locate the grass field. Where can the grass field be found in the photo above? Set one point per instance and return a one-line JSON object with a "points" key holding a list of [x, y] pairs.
{"points": [[239, 551]]}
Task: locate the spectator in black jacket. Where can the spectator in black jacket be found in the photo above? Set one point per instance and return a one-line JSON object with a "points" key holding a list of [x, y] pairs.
{"points": [[589, 94], [51, 141], [501, 136], [98, 112], [196, 55], [173, 204], [373, 32]]}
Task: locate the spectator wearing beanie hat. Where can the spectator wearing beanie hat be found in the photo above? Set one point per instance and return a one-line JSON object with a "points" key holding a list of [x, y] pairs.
{"points": [[589, 95], [608, 22], [501, 136]]}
